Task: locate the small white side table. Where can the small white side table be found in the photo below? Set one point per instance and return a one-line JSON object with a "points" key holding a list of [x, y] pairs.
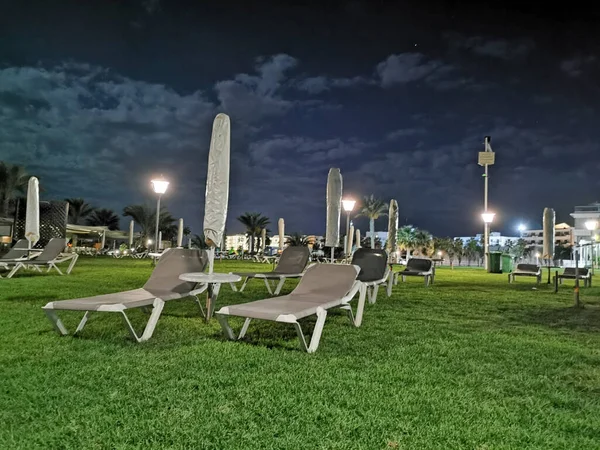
{"points": [[214, 281]]}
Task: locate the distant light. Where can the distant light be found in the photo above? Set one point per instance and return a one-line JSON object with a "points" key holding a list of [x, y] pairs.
{"points": [[537, 255], [348, 205], [149, 241], [522, 227], [440, 253], [160, 185], [591, 225], [488, 217]]}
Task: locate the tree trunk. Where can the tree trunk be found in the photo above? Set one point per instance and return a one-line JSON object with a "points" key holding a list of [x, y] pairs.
{"points": [[372, 230]]}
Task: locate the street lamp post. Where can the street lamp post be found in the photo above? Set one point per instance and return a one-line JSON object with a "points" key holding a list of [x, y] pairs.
{"points": [[592, 226], [348, 205], [487, 219], [160, 187], [486, 158]]}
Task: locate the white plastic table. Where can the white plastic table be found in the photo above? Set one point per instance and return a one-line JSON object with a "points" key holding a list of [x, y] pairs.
{"points": [[214, 281]]}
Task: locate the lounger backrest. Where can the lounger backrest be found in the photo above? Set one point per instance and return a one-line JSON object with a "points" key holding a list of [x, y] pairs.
{"points": [[528, 267], [293, 260], [17, 250], [52, 250], [419, 264], [372, 263], [581, 271], [330, 281], [172, 263]]}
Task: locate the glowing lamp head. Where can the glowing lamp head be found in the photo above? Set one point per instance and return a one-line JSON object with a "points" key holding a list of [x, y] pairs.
{"points": [[537, 255], [521, 227], [348, 205], [591, 225], [160, 185], [488, 217]]}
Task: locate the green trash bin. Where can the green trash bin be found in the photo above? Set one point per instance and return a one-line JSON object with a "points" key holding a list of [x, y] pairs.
{"points": [[507, 263], [494, 262]]}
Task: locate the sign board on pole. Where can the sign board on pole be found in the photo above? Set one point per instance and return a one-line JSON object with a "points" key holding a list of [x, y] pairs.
{"points": [[486, 158]]}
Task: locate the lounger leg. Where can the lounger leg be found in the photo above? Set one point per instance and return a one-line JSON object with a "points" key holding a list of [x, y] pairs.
{"points": [[15, 270], [226, 327], [279, 286], [84, 320], [373, 294], [403, 279], [72, 264], [390, 284], [54, 266], [150, 326], [244, 284], [233, 287], [360, 308], [58, 325], [316, 336], [426, 280], [268, 285], [245, 327]]}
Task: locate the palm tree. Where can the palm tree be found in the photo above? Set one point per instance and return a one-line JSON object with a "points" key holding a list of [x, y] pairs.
{"points": [[423, 242], [13, 180], [145, 217], [78, 209], [104, 218], [458, 249], [406, 239], [470, 250], [199, 242], [297, 240], [373, 208], [254, 223]]}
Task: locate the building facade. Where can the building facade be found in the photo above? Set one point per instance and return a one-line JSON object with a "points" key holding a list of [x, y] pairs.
{"points": [[496, 239], [564, 235], [582, 214]]}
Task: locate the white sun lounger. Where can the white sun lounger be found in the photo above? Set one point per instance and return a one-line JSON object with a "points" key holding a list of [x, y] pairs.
{"points": [[323, 286], [49, 257], [164, 285], [291, 264], [374, 270]]}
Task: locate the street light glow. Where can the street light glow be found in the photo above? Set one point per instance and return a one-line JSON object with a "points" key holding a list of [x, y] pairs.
{"points": [[591, 225], [160, 185], [522, 227], [488, 217], [348, 204]]}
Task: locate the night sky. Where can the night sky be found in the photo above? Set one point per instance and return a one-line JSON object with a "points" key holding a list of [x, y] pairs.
{"points": [[96, 97]]}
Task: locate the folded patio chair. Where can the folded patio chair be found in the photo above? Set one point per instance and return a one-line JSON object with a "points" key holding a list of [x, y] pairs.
{"points": [[291, 264], [49, 257], [417, 267], [163, 285], [374, 270], [526, 270], [323, 286]]}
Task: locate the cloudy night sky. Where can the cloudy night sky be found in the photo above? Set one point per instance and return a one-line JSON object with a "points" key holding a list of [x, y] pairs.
{"points": [[96, 97]]}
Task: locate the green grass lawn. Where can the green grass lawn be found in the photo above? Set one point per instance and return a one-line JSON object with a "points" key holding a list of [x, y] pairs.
{"points": [[471, 362]]}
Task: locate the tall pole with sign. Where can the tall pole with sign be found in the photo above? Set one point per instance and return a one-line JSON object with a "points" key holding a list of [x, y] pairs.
{"points": [[486, 158]]}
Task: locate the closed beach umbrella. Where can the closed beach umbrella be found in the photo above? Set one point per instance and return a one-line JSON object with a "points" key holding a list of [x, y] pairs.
{"points": [[549, 220], [334, 209], [281, 229], [357, 238], [131, 234], [159, 240], [217, 185], [32, 215], [103, 242], [180, 234], [263, 238], [392, 229]]}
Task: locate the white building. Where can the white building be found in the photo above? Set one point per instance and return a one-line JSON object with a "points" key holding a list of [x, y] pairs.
{"points": [[382, 235], [582, 214], [235, 241], [563, 234]]}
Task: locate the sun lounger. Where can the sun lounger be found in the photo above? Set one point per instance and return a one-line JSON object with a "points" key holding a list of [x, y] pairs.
{"points": [[374, 270], [291, 264], [164, 285], [323, 286], [417, 267], [526, 270], [570, 273], [49, 257], [18, 251]]}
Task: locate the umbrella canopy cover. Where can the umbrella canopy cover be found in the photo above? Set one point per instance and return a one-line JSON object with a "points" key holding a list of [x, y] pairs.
{"points": [[32, 215], [281, 228], [334, 208], [357, 238], [217, 181], [263, 239], [392, 229], [180, 233], [350, 238]]}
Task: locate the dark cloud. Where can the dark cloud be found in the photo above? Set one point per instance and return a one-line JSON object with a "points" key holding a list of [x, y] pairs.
{"points": [[407, 67], [493, 47], [575, 66]]}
